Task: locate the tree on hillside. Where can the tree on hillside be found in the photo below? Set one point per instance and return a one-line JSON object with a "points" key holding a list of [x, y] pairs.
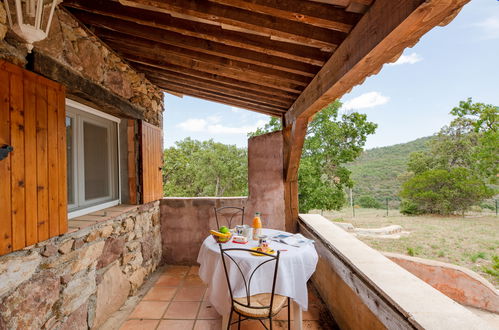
{"points": [[368, 202], [331, 142], [462, 158], [195, 168], [484, 119], [445, 191]]}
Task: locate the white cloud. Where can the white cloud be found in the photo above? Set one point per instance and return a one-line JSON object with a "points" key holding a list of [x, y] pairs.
{"points": [[366, 100], [211, 125], [193, 125], [408, 59], [490, 27]]}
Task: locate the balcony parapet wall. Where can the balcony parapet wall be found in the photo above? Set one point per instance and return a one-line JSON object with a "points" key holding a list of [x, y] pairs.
{"points": [[186, 222], [459, 283], [363, 289]]}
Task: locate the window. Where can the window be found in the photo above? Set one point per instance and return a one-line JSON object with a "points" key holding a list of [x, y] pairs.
{"points": [[92, 159]]}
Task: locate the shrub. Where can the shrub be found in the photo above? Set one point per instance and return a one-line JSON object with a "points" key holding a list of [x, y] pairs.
{"points": [[445, 191], [368, 202], [409, 208]]}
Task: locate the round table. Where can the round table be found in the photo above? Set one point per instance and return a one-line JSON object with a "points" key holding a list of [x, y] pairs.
{"points": [[296, 265]]}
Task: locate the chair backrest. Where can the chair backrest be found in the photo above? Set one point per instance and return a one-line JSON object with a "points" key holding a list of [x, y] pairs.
{"points": [[227, 259], [229, 215]]}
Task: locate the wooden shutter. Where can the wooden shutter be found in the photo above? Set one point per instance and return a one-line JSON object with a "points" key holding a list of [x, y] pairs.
{"points": [[33, 197], [151, 146]]}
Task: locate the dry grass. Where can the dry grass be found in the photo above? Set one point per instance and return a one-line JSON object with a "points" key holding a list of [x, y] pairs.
{"points": [[471, 241]]}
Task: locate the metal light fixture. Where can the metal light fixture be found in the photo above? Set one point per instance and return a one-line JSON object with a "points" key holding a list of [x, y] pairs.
{"points": [[30, 21]]}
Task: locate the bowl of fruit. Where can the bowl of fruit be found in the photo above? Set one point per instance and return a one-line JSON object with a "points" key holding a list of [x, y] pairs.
{"points": [[223, 234]]}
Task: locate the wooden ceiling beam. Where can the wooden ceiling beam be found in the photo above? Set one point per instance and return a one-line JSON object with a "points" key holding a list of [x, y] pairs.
{"points": [[167, 50], [144, 66], [195, 44], [257, 43], [398, 25], [251, 21], [219, 87], [162, 81], [230, 102], [129, 50], [313, 13]]}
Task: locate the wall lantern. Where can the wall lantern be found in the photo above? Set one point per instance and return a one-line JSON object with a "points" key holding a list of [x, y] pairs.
{"points": [[30, 21]]}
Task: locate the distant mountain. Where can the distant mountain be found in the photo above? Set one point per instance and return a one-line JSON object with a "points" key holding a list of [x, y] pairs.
{"points": [[375, 173]]}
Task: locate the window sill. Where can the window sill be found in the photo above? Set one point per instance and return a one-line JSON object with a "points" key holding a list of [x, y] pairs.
{"points": [[96, 217]]}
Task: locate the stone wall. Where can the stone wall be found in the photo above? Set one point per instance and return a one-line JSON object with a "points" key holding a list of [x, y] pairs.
{"points": [[76, 49], [75, 281], [186, 222]]}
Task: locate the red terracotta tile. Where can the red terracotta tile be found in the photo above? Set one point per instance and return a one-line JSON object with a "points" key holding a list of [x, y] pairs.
{"points": [[207, 311], [168, 280], [313, 313], [312, 297], [194, 293], [176, 270], [194, 270], [175, 325], [160, 293], [250, 325], [193, 280], [182, 310], [208, 325], [149, 310], [283, 314], [139, 324], [312, 325]]}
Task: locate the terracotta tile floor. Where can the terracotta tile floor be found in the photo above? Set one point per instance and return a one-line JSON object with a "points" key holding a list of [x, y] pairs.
{"points": [[176, 301]]}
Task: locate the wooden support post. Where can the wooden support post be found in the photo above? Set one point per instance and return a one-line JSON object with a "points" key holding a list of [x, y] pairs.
{"points": [[294, 138]]}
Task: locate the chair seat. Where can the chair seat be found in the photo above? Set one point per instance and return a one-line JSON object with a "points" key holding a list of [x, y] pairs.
{"points": [[260, 300]]}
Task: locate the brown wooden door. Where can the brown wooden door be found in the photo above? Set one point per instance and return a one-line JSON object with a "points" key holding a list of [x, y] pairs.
{"points": [[152, 162], [33, 197]]}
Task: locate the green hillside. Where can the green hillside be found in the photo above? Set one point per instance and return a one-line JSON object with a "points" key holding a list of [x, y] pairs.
{"points": [[375, 173]]}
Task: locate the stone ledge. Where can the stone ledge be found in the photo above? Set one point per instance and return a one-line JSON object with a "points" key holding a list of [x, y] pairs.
{"points": [[407, 296], [94, 218]]}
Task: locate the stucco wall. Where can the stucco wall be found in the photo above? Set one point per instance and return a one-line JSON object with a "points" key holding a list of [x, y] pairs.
{"points": [[461, 284], [266, 180], [75, 281], [185, 223]]}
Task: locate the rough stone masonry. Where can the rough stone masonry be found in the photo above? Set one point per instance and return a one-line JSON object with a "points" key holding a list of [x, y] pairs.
{"points": [[77, 280]]}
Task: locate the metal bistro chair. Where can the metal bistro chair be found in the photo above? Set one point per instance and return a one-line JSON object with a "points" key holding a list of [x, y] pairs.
{"points": [[229, 213], [258, 306]]}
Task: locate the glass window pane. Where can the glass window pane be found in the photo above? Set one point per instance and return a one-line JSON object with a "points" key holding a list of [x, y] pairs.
{"points": [[96, 155], [70, 156]]}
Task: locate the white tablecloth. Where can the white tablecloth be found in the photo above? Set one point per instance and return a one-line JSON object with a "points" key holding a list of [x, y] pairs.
{"points": [[296, 265]]}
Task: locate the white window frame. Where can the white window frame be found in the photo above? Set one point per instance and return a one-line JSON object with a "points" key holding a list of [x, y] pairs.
{"points": [[77, 143]]}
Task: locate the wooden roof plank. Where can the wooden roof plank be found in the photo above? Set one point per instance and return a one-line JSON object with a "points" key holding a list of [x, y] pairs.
{"points": [[398, 25], [257, 43], [256, 78], [251, 21], [222, 100], [196, 44], [219, 93], [207, 84], [165, 49], [146, 66], [312, 13]]}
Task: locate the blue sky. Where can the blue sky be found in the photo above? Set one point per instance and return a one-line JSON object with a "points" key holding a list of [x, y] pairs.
{"points": [[408, 100]]}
